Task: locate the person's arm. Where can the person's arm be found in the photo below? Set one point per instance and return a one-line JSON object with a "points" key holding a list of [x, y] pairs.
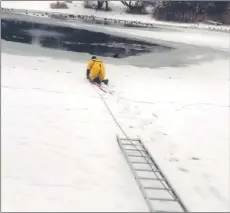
{"points": [[89, 68], [102, 72]]}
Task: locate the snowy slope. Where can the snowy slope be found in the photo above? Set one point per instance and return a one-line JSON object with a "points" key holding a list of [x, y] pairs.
{"points": [[55, 156], [118, 12], [47, 114], [59, 151]]}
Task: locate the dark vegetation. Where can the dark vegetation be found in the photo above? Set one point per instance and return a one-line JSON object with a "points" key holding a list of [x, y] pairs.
{"points": [[193, 11], [215, 12]]}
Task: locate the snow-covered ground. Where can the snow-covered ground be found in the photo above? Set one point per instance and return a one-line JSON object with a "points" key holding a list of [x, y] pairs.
{"points": [[55, 158], [59, 150], [118, 12]]}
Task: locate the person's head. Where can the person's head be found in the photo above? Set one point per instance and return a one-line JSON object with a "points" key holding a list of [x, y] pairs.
{"points": [[93, 57], [115, 55]]}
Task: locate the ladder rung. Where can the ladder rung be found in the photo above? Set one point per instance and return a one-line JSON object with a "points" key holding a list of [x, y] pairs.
{"points": [[135, 150], [139, 156], [146, 178], [144, 170], [158, 188], [128, 139], [162, 199], [136, 162], [131, 144]]}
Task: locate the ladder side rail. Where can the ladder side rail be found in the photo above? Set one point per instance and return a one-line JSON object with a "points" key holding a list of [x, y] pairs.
{"points": [[175, 193], [147, 200]]}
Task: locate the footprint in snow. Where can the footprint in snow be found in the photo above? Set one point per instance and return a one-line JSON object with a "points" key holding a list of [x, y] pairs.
{"points": [[218, 194], [162, 133], [195, 158], [182, 169], [173, 159], [154, 115]]}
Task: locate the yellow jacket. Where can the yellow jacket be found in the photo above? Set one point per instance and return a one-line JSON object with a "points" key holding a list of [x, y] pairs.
{"points": [[97, 69]]}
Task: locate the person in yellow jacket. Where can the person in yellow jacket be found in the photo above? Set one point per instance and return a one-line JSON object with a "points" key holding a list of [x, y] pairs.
{"points": [[96, 71]]}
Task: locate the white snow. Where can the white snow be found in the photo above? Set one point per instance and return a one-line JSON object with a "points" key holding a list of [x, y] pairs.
{"points": [[216, 40], [59, 150], [55, 158]]}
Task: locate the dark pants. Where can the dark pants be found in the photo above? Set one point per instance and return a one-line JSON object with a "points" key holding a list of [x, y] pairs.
{"points": [[97, 80], [87, 74]]}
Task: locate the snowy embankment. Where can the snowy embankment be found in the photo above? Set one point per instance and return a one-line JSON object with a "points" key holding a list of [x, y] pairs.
{"points": [[59, 150], [117, 14]]}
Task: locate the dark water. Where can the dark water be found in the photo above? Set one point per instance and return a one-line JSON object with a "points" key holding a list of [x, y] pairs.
{"points": [[77, 40]]}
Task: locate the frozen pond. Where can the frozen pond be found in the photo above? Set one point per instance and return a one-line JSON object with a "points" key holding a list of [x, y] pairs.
{"points": [[111, 44], [76, 40]]}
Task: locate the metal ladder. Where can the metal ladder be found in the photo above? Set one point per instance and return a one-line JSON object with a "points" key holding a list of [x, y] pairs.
{"points": [[156, 189]]}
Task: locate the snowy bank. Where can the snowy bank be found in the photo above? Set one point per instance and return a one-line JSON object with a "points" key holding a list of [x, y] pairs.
{"points": [[51, 160], [117, 15]]}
